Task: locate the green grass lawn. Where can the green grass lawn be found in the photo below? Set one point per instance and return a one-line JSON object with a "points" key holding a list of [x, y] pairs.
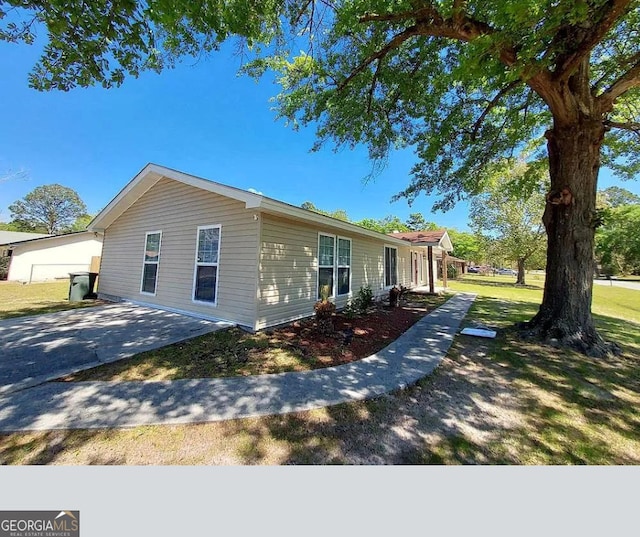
{"points": [[577, 410], [18, 300], [607, 301]]}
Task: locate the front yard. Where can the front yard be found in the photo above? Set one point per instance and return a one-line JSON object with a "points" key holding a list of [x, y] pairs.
{"points": [[501, 401]]}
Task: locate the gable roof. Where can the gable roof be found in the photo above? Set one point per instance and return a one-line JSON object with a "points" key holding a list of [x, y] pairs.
{"points": [[152, 173], [439, 238], [9, 237]]}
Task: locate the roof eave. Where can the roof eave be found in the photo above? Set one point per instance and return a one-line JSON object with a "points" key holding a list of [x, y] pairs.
{"points": [[148, 177], [277, 208]]}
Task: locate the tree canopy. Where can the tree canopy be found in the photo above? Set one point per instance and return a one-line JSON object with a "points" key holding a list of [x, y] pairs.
{"points": [[614, 196], [466, 245], [511, 224], [49, 208], [388, 224], [463, 82], [618, 240]]}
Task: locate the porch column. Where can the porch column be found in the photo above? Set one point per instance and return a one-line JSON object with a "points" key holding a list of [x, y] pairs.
{"points": [[432, 288], [444, 268]]}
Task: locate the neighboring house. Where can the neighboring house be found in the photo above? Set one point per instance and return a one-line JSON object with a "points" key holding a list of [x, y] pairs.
{"points": [[190, 245], [51, 257]]}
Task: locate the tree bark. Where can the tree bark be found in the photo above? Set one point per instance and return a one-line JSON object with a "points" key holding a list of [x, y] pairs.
{"points": [[521, 277], [569, 218]]}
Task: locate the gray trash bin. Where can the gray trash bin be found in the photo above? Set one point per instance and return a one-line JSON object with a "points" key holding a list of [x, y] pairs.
{"points": [[81, 286]]}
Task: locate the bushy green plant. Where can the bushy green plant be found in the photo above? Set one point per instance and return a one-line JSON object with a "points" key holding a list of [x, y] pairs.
{"points": [[360, 304], [365, 298]]}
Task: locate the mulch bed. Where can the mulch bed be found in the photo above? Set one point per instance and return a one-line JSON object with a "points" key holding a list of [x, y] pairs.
{"points": [[353, 338]]}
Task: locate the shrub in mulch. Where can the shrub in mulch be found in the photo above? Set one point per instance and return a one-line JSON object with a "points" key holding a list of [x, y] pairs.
{"points": [[352, 337]]}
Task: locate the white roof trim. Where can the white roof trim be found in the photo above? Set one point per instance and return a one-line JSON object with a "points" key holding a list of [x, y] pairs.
{"points": [[52, 237], [152, 173], [148, 177]]}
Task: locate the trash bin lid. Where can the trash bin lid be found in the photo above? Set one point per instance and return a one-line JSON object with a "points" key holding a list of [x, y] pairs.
{"points": [[78, 273]]}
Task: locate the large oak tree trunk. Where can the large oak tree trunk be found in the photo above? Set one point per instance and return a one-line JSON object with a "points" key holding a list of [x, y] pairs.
{"points": [[569, 219]]}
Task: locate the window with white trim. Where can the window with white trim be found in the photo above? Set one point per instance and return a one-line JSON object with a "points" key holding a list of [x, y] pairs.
{"points": [[151, 260], [205, 283], [334, 266], [344, 266], [390, 266], [326, 265]]}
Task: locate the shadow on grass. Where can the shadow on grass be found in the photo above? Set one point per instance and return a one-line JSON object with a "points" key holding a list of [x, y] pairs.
{"points": [[572, 409], [44, 448]]}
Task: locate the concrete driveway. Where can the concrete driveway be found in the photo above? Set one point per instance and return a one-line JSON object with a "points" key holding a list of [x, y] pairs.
{"points": [[34, 350]]}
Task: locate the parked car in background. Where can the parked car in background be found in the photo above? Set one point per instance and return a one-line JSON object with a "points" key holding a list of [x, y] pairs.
{"points": [[473, 270], [506, 272]]}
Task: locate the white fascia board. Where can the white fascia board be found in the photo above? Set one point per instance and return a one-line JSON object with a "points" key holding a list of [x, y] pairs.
{"points": [[278, 208], [445, 242], [148, 177], [142, 182], [248, 198]]}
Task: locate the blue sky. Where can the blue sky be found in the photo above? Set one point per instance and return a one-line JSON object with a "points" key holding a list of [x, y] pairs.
{"points": [[200, 118]]}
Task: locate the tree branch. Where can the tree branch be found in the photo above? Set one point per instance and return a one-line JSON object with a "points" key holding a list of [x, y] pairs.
{"points": [[427, 12], [631, 79], [372, 89], [612, 11], [460, 27], [491, 105], [391, 45], [631, 126]]}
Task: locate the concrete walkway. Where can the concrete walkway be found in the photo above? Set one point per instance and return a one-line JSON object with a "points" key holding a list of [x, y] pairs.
{"points": [[87, 405]]}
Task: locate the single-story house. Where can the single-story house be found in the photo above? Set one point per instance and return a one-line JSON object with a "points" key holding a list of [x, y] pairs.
{"points": [[190, 245], [51, 257]]}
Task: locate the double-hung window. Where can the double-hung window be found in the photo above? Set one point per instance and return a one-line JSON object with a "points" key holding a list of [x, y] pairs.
{"points": [[150, 262], [334, 266], [344, 266], [326, 265], [390, 266], [205, 285]]}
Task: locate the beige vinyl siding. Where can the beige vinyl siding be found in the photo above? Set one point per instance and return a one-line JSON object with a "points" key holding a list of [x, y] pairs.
{"points": [[288, 270], [177, 210]]}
